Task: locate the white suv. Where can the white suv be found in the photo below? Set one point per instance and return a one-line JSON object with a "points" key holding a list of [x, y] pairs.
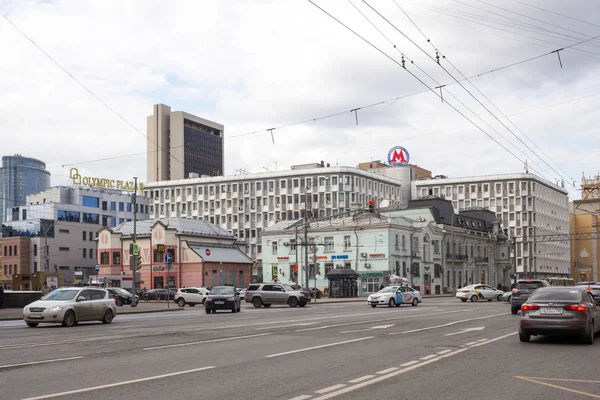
{"points": [[191, 296]]}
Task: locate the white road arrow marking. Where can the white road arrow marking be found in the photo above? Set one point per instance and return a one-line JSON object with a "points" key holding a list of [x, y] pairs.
{"points": [[479, 328], [370, 329]]}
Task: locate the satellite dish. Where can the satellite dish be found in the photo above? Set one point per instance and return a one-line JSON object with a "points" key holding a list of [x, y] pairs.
{"points": [[384, 204]]}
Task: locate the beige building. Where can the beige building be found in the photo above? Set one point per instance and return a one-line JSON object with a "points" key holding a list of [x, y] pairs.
{"points": [[182, 145]]}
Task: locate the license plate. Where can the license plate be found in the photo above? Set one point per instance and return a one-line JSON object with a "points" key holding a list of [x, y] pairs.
{"points": [[219, 302], [35, 316], [551, 311]]}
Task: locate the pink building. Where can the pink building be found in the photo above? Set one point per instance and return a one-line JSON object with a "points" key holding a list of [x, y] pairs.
{"points": [[203, 254]]}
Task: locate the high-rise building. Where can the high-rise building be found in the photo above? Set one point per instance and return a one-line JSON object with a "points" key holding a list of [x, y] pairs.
{"points": [[181, 145], [19, 177], [535, 211]]}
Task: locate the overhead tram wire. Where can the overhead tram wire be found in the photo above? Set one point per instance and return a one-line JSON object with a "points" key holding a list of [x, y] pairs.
{"points": [[457, 81], [416, 77], [440, 85], [94, 95], [569, 179], [556, 13]]}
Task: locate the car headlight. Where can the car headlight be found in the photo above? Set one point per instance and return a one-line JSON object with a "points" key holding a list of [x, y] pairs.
{"points": [[209, 298], [55, 309], [230, 298]]}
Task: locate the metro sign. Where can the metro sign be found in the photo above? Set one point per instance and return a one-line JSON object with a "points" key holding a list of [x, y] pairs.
{"points": [[398, 156]]}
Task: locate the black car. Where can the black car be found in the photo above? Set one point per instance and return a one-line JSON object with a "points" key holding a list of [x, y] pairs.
{"points": [[121, 296], [223, 298], [523, 290]]}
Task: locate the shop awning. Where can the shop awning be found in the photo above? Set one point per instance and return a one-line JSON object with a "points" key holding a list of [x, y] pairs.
{"points": [[220, 254]]}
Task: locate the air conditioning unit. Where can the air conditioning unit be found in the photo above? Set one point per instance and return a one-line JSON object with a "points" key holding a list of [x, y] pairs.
{"points": [[367, 265], [363, 255]]}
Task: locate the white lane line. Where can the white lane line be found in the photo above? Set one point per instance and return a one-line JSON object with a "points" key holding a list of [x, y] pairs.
{"points": [[116, 384], [362, 378], [447, 324], [286, 326], [378, 320], [303, 397], [481, 340], [319, 347], [204, 341], [470, 343], [408, 364], [444, 351], [429, 357], [40, 362], [361, 385], [330, 388], [387, 371]]}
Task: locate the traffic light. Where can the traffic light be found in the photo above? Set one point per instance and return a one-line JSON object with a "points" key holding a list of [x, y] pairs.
{"points": [[135, 263], [371, 206]]}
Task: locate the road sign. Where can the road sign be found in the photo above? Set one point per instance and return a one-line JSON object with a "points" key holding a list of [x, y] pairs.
{"points": [[135, 249], [97, 267], [275, 279], [168, 258], [398, 156], [207, 252]]}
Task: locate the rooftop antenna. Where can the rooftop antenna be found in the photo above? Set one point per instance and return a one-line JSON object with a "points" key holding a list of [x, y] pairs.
{"points": [[526, 167], [267, 169]]}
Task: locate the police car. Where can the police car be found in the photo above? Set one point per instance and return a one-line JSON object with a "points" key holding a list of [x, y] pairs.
{"points": [[395, 296]]}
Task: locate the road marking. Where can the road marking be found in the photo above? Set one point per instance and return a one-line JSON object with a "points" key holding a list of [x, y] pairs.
{"points": [[362, 378], [444, 351], [286, 326], [470, 343], [447, 324], [303, 397], [429, 357], [467, 330], [381, 378], [481, 340], [557, 379], [204, 341], [330, 388], [318, 347], [117, 384], [408, 364], [369, 329], [559, 387], [40, 362], [386, 371], [377, 320]]}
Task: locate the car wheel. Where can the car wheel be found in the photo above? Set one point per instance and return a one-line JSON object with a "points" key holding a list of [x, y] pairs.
{"points": [[214, 310], [239, 308], [119, 302], [373, 305], [233, 309], [490, 299], [192, 304], [69, 319], [108, 317], [514, 311], [463, 300], [181, 302], [293, 302], [415, 302], [398, 305], [473, 298], [266, 305], [207, 310], [203, 301], [524, 337], [588, 336], [32, 324], [499, 298], [301, 304], [391, 303], [257, 302]]}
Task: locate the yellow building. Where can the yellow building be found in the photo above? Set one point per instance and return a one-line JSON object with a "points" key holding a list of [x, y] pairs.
{"points": [[584, 220]]}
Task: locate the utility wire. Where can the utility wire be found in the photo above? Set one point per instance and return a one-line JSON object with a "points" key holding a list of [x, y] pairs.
{"points": [[490, 101], [94, 95], [461, 85], [414, 76], [555, 13]]}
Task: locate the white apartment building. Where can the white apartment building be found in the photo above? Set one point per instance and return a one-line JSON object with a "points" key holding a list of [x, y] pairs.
{"points": [[69, 218], [246, 204], [531, 207]]}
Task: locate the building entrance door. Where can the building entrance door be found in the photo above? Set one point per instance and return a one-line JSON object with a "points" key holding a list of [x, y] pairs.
{"points": [[159, 282]]}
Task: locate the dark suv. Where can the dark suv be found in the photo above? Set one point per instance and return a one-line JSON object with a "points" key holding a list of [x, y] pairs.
{"points": [[523, 290]]}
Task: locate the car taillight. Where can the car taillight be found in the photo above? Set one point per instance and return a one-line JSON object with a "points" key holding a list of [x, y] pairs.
{"points": [[515, 290], [246, 294], [465, 291], [529, 307], [576, 307]]}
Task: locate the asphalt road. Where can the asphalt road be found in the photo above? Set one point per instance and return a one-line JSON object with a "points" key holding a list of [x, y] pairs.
{"points": [[441, 349]]}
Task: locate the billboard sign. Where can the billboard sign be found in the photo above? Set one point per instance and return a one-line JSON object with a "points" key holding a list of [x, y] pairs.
{"points": [[398, 156]]}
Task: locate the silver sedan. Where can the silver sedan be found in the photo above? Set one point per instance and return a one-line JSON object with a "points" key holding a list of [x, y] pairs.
{"points": [[68, 306]]}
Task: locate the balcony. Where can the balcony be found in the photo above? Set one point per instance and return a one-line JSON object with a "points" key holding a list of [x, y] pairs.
{"points": [[457, 257], [481, 259]]}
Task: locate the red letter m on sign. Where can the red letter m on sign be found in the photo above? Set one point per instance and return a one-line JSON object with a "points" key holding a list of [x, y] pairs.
{"points": [[398, 156]]}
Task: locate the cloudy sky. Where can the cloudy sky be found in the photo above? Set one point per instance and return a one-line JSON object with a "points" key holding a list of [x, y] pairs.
{"points": [[258, 64]]}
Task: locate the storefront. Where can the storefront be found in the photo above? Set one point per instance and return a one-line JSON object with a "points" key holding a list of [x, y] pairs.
{"points": [[342, 283]]}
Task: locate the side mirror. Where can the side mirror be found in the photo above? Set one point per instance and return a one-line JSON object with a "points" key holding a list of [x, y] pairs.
{"points": [[237, 294], [81, 298]]}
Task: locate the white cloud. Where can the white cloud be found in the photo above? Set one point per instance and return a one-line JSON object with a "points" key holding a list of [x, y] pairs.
{"points": [[253, 65]]}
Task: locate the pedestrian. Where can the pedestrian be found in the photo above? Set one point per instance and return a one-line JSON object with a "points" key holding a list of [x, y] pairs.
{"points": [[45, 289], [1, 295], [381, 286], [427, 289]]}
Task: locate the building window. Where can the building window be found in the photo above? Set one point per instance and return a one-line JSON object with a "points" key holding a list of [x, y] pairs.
{"points": [[347, 242], [15, 247], [35, 266], [121, 206], [113, 206], [68, 216], [128, 207], [91, 218], [158, 257], [88, 201], [84, 253], [292, 246], [329, 244], [91, 253], [104, 206], [84, 235], [10, 250], [34, 250], [274, 247], [104, 258], [113, 222], [63, 249], [5, 270], [116, 258]]}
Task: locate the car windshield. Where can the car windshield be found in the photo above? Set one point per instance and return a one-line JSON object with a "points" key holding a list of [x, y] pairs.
{"points": [[222, 290], [388, 289], [61, 295], [529, 285], [288, 287], [555, 295]]}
